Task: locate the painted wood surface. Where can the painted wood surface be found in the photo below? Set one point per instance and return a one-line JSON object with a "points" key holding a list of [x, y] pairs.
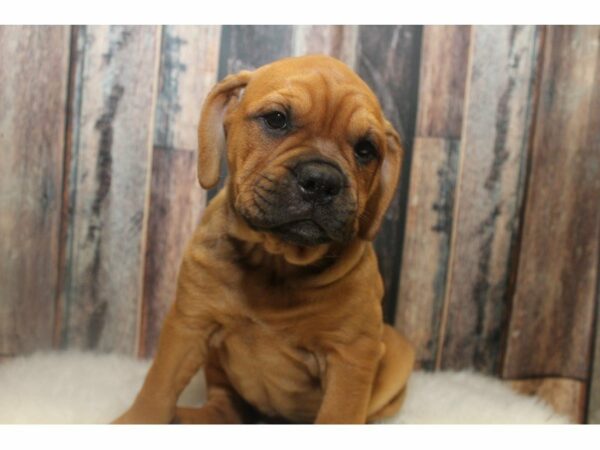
{"points": [[339, 41], [444, 63], [566, 396], [550, 331], [33, 91], [114, 95], [494, 142], [188, 70], [392, 71], [593, 407], [246, 47], [429, 216]]}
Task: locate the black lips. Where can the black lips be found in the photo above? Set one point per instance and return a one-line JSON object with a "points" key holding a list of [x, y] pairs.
{"points": [[310, 205]]}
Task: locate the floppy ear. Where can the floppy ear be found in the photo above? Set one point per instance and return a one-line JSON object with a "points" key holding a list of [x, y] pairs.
{"points": [[211, 135], [383, 193]]}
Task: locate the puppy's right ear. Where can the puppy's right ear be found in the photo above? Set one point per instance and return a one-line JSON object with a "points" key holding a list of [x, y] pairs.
{"points": [[211, 135]]}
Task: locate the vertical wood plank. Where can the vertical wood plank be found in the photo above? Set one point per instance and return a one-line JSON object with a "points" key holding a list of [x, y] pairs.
{"points": [[565, 396], [339, 41], [494, 145], [247, 47], [33, 89], [429, 213], [593, 406], [550, 329], [392, 71], [189, 60], [444, 64], [429, 217], [114, 97]]}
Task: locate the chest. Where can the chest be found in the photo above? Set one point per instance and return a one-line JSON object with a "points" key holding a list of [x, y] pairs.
{"points": [[271, 366]]}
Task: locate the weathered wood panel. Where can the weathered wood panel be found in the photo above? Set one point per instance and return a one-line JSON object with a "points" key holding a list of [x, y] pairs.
{"points": [[33, 91], [550, 329], [593, 407], [114, 98], [188, 69], [339, 41], [565, 396], [494, 143], [422, 284], [392, 71], [432, 186], [189, 60], [246, 47], [444, 65]]}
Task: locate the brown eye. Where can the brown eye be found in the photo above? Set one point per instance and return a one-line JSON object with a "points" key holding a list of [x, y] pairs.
{"points": [[365, 151], [276, 120]]}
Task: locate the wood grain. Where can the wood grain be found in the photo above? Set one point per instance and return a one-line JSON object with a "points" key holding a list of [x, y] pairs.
{"points": [[393, 74], [189, 59], [188, 69], [550, 330], [339, 41], [593, 407], [33, 89], [429, 218], [114, 98], [442, 85], [564, 395], [494, 141], [247, 47]]}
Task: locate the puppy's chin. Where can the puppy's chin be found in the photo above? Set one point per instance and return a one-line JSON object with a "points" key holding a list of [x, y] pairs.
{"points": [[306, 233]]}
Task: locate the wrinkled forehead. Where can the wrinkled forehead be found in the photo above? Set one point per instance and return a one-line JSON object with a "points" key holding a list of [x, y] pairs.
{"points": [[313, 93]]}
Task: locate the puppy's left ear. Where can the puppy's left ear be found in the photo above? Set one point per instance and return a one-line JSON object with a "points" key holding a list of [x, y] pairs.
{"points": [[211, 134], [382, 195]]}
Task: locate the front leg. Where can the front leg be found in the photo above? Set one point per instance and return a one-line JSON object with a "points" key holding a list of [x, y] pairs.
{"points": [[181, 352], [349, 377]]}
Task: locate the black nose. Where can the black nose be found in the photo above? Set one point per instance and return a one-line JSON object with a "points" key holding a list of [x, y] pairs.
{"points": [[319, 182]]}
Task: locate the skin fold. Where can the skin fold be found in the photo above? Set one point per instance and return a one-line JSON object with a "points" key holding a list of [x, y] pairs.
{"points": [[279, 293]]}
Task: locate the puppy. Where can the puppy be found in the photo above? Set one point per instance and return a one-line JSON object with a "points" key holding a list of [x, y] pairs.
{"points": [[279, 293]]}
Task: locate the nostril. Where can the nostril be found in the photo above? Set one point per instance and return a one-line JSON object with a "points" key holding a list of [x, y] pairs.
{"points": [[309, 185], [332, 189]]}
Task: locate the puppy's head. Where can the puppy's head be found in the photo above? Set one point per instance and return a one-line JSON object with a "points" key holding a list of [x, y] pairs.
{"points": [[312, 159]]}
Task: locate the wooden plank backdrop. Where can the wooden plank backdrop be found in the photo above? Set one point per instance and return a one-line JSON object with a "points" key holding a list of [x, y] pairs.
{"points": [[444, 61], [593, 407], [33, 92], [553, 307], [493, 155], [489, 252], [550, 332], [114, 93]]}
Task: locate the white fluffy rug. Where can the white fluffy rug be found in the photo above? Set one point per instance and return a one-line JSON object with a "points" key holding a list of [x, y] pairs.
{"points": [[79, 387]]}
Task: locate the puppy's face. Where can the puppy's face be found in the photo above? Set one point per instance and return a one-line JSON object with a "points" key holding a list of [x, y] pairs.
{"points": [[310, 154]]}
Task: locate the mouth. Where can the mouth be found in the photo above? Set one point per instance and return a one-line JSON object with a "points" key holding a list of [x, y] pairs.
{"points": [[302, 232]]}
